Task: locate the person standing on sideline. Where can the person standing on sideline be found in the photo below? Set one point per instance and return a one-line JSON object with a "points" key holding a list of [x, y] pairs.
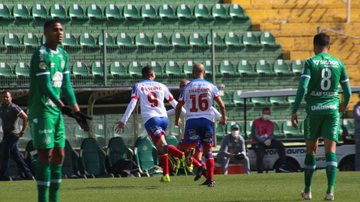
{"points": [[10, 114], [356, 115], [319, 82]]}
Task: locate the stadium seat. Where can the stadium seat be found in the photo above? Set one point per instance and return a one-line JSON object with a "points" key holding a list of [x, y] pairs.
{"points": [[268, 40], [146, 155], [86, 40], [297, 66], [260, 101], [219, 12], [92, 159], [112, 12], [11, 40], [39, 12], [21, 12], [250, 40], [208, 68], [94, 12], [279, 100], [110, 42], [143, 41], [118, 70], [161, 40], [201, 12], [69, 41], [196, 40], [291, 99], [227, 69], [172, 69], [30, 40], [166, 12], [239, 102], [117, 150], [135, 70], [148, 12], [178, 40], [277, 131], [76, 12], [5, 14], [232, 40], [171, 140], [219, 42], [219, 133], [157, 69], [187, 68], [80, 70], [57, 11], [130, 12], [6, 71], [124, 40], [227, 98], [97, 69], [22, 70], [281, 68], [264, 68], [70, 166], [99, 130], [245, 69], [183, 12], [236, 12], [290, 131]]}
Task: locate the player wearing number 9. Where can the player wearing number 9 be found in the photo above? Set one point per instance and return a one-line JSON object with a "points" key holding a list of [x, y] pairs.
{"points": [[320, 78]]}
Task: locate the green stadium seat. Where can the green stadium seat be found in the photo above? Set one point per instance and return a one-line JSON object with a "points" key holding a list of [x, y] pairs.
{"points": [[145, 155], [80, 70], [245, 69], [277, 131], [239, 102], [219, 42], [219, 12], [76, 12], [21, 12], [196, 40], [232, 40], [135, 70], [208, 68], [349, 125], [130, 12], [201, 12], [94, 12], [39, 12], [281, 68], [250, 40], [279, 100], [118, 70], [124, 40], [57, 11], [5, 13], [30, 40], [264, 68], [178, 40], [171, 140], [227, 98], [110, 42], [161, 40], [117, 150], [6, 71], [268, 40], [11, 40], [112, 12], [297, 66], [166, 12], [86, 40], [70, 166], [143, 41], [183, 12], [69, 41], [220, 132], [99, 133], [148, 12], [97, 69], [290, 131], [291, 99], [172, 69], [22, 70], [158, 69], [187, 68], [236, 12], [260, 101], [227, 69]]}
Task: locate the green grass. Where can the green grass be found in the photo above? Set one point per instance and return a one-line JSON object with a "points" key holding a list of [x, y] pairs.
{"points": [[253, 187]]}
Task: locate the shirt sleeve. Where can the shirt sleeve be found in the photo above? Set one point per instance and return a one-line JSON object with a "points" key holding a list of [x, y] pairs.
{"points": [[134, 92], [17, 109], [303, 83], [66, 84], [216, 92], [182, 96], [168, 96]]}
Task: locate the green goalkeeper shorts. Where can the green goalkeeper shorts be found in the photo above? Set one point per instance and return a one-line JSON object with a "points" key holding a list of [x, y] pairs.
{"points": [[48, 132], [322, 125]]}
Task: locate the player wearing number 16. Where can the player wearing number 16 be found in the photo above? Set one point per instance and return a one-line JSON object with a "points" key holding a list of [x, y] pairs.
{"points": [[320, 78]]}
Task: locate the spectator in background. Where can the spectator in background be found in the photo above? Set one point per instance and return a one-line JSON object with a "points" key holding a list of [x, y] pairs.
{"points": [[233, 150], [356, 115], [263, 138], [9, 114]]}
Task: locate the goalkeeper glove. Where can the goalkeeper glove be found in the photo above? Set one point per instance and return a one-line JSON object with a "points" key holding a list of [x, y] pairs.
{"points": [[80, 117]]}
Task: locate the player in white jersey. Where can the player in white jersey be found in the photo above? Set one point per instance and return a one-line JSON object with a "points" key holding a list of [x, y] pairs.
{"points": [[151, 95], [197, 98]]}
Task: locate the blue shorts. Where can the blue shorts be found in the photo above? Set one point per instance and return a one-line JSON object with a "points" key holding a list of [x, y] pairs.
{"points": [[156, 127], [200, 130]]}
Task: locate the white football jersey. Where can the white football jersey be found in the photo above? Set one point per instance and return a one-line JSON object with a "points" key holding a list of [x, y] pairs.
{"points": [[151, 95], [198, 99]]}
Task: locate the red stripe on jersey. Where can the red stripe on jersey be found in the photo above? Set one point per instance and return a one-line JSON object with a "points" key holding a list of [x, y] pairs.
{"points": [[182, 102], [135, 97], [170, 99]]}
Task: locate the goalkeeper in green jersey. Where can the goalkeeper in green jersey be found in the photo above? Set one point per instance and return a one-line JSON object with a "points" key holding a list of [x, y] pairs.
{"points": [[319, 82], [49, 75]]}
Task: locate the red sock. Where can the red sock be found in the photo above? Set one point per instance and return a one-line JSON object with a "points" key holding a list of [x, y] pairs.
{"points": [[210, 165], [164, 162], [195, 162], [175, 152]]}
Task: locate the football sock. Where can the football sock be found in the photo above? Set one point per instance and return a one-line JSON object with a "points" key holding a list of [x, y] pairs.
{"points": [[195, 162], [331, 166], [310, 166], [204, 173], [164, 162], [173, 151], [42, 174], [56, 176], [210, 166]]}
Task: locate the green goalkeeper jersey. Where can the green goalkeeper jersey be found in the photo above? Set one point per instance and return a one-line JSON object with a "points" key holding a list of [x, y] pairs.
{"points": [[47, 71], [325, 73]]}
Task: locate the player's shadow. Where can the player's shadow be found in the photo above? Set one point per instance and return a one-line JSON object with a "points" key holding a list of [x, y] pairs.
{"points": [[115, 187]]}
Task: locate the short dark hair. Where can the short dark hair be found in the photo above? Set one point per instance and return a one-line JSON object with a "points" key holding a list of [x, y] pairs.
{"points": [[4, 92], [49, 23], [146, 72], [321, 40]]}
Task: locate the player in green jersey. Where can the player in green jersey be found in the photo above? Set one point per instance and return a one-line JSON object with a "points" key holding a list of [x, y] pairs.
{"points": [[49, 75], [319, 82]]}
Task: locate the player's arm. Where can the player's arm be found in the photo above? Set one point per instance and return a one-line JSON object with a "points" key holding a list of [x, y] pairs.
{"points": [[216, 113], [67, 88], [221, 104], [224, 148], [22, 115], [129, 109], [178, 110], [255, 135], [345, 85]]}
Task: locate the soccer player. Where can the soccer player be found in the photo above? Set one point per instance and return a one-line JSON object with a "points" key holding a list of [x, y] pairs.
{"points": [[49, 75], [151, 95], [197, 99], [319, 82]]}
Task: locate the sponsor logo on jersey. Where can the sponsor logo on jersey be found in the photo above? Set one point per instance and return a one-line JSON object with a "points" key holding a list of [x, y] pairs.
{"points": [[45, 131], [57, 80], [52, 65], [35, 120], [62, 64], [47, 140], [42, 65], [323, 107], [327, 63], [323, 93]]}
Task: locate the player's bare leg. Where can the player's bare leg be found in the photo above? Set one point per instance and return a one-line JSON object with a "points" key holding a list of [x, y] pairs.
{"points": [[310, 166], [331, 166]]}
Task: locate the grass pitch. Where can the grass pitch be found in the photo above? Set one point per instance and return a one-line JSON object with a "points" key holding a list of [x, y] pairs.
{"points": [[253, 187]]}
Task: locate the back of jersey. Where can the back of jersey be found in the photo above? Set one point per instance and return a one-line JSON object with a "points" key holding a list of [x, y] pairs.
{"points": [[325, 73], [198, 98]]}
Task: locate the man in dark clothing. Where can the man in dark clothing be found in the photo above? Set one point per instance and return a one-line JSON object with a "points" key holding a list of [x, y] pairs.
{"points": [[356, 115], [9, 114]]}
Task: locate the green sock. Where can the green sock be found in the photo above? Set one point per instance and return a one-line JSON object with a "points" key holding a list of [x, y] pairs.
{"points": [[331, 166], [310, 165], [42, 175], [56, 176]]}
